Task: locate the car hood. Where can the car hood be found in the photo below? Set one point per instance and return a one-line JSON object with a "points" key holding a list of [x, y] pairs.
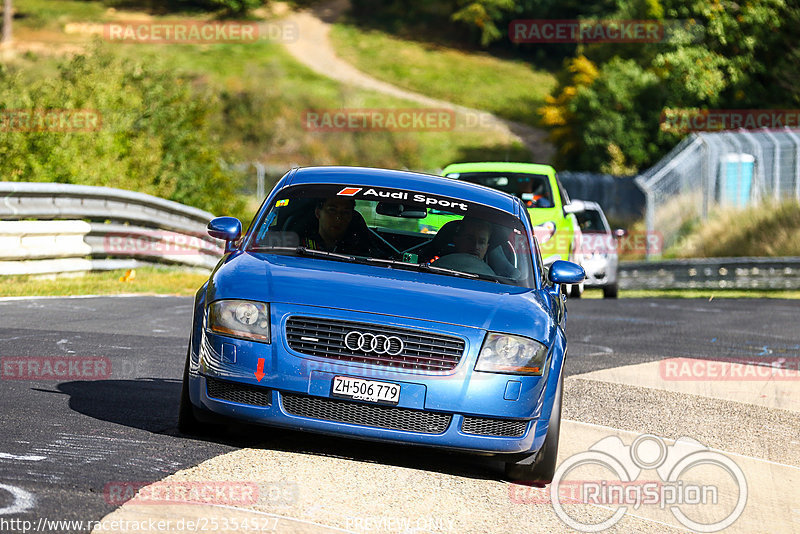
{"points": [[380, 290]]}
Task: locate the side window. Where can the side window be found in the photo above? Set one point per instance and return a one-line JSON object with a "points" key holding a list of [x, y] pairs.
{"points": [[537, 254]]}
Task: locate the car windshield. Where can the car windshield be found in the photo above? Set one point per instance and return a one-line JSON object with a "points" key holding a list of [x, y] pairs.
{"points": [[590, 220], [533, 189], [395, 228]]}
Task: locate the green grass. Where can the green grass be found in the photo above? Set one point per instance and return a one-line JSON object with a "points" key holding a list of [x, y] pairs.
{"points": [[146, 280], [708, 294], [52, 15], [510, 89], [768, 230], [266, 94], [269, 93]]}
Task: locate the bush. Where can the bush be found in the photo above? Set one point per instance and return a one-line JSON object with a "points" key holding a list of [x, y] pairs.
{"points": [[227, 7], [155, 135]]}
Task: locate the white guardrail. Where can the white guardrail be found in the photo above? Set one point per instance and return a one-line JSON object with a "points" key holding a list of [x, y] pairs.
{"points": [[711, 273], [48, 228]]}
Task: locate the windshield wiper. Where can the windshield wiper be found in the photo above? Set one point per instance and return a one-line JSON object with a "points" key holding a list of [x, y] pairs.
{"points": [[428, 268], [423, 267], [305, 251]]}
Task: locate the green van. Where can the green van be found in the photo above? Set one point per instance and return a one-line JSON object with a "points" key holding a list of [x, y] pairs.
{"points": [[556, 226]]}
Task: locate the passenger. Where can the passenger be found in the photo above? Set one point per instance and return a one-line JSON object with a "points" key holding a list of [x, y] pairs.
{"points": [[472, 237]]}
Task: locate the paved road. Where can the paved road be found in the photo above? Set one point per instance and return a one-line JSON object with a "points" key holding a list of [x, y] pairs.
{"points": [[63, 441]]}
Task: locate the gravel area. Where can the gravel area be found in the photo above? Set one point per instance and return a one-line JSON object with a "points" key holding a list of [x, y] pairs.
{"points": [[755, 431], [359, 496]]}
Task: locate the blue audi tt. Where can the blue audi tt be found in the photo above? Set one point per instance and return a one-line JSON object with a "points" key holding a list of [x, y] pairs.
{"points": [[339, 311]]}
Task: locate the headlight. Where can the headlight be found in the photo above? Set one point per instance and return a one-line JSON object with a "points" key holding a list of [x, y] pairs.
{"points": [[240, 318], [503, 353], [544, 231]]}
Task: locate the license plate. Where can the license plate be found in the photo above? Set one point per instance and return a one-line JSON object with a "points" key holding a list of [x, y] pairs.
{"points": [[367, 390]]}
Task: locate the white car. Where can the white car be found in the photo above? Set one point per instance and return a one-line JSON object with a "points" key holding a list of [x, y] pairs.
{"points": [[598, 248]]}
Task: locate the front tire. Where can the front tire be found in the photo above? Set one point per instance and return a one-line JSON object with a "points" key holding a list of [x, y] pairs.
{"points": [[541, 471], [187, 422], [575, 291], [611, 291]]}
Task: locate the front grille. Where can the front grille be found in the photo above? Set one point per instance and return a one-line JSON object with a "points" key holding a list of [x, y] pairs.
{"points": [[366, 414], [506, 428], [241, 393], [325, 338]]}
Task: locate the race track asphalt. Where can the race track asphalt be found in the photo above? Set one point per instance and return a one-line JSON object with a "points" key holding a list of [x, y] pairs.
{"points": [[62, 442]]}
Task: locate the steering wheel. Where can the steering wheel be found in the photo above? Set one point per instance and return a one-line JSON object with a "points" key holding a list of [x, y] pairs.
{"points": [[467, 263]]}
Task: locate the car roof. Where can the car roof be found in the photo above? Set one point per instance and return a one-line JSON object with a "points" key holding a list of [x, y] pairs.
{"points": [[500, 166], [590, 204], [413, 181]]}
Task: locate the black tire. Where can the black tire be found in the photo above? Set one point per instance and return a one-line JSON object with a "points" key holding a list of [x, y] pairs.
{"points": [[188, 422], [575, 291], [611, 291], [540, 472]]}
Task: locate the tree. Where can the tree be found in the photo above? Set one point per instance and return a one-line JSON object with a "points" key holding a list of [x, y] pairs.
{"points": [[8, 16]]}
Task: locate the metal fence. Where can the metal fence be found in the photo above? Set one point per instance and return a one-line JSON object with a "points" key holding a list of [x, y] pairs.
{"points": [[707, 171]]}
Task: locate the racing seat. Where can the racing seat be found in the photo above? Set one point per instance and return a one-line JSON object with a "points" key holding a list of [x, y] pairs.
{"points": [[442, 243]]}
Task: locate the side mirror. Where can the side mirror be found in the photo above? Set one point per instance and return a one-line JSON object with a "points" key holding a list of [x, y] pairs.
{"points": [[227, 228], [619, 233], [566, 272]]}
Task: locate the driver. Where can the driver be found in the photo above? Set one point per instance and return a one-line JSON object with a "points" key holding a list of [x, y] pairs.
{"points": [[333, 233]]}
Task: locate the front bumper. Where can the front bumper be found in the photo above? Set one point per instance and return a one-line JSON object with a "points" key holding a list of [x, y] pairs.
{"points": [[600, 271], [460, 409]]}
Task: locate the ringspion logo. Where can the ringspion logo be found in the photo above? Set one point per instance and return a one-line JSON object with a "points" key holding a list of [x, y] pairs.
{"points": [[704, 490]]}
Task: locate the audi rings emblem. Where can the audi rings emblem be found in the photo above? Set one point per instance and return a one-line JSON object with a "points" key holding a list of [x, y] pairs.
{"points": [[378, 344]]}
